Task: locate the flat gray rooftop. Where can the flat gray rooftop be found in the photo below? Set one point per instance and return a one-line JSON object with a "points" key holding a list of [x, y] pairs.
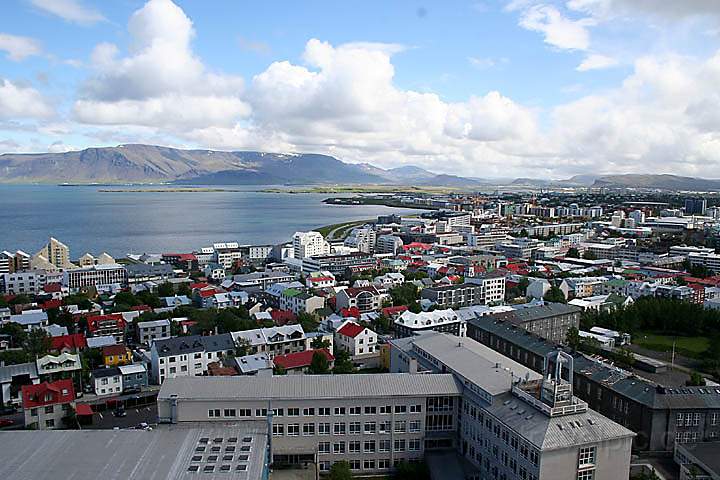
{"points": [[382, 385], [162, 454]]}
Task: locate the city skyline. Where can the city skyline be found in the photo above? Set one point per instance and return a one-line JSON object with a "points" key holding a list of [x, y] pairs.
{"points": [[486, 89]]}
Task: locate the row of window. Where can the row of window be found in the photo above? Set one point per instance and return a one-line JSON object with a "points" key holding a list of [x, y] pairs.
{"points": [[369, 446], [341, 428], [381, 464], [340, 411], [693, 419]]}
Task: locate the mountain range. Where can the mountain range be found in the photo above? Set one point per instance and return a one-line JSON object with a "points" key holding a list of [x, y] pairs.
{"points": [[136, 163]]}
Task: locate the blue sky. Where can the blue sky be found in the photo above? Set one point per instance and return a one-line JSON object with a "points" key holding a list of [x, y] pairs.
{"points": [[482, 88]]}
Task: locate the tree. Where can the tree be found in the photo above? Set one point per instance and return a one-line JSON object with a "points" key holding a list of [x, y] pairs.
{"points": [[184, 289], [79, 299], [20, 300], [696, 380], [411, 471], [343, 363], [166, 290], [588, 255], [243, 347], [16, 332], [555, 295], [308, 322], [320, 342], [319, 365], [340, 471], [279, 370], [405, 294], [37, 343], [572, 253], [573, 338]]}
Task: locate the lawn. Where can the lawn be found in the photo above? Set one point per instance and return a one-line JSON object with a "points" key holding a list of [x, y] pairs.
{"points": [[686, 346]]}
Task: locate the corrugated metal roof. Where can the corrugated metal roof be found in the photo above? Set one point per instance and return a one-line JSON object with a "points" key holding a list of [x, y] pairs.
{"points": [[10, 371], [310, 386]]}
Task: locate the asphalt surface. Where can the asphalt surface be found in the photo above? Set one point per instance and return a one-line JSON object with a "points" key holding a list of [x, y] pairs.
{"points": [[107, 421]]}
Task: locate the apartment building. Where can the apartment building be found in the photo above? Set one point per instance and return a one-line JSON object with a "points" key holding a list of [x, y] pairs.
{"points": [[372, 421], [355, 339], [143, 272], [365, 299], [188, 356], [112, 324], [262, 279], [660, 415], [554, 229], [107, 381], [97, 276], [388, 244], [14, 262], [515, 423], [299, 302], [279, 340], [148, 332], [711, 261], [548, 320], [55, 253], [339, 264], [409, 323], [25, 282], [492, 285], [47, 404], [449, 296], [227, 254], [364, 239], [309, 244]]}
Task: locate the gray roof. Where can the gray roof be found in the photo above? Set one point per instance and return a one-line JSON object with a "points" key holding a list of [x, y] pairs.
{"points": [[162, 454], [627, 384], [551, 433], [140, 269], [479, 364], [33, 318], [106, 372], [253, 363], [381, 385], [705, 455], [535, 312], [193, 343], [101, 341], [10, 371]]}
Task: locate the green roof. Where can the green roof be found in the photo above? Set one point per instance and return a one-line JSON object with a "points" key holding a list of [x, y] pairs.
{"points": [[291, 292]]}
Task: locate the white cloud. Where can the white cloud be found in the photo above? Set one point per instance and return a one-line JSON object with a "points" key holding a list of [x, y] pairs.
{"points": [[597, 62], [70, 10], [18, 101], [19, 48], [559, 31], [160, 82]]}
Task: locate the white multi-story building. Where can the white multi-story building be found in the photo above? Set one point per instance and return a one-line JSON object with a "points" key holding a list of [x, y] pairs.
{"points": [[355, 339], [447, 321], [188, 356], [151, 331], [279, 340], [97, 276], [388, 244], [28, 282], [309, 244], [362, 238]]}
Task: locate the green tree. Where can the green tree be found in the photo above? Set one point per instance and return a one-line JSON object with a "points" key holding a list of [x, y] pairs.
{"points": [[555, 295], [184, 289], [405, 294], [340, 471], [79, 299], [166, 290], [573, 338], [16, 332], [572, 253], [319, 365], [279, 370], [20, 300], [320, 342], [343, 363], [308, 322], [696, 380], [37, 343]]}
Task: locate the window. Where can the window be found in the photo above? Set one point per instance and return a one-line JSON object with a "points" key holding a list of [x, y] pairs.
{"points": [[33, 412], [415, 426], [400, 427], [339, 447], [215, 413], [355, 410], [385, 410], [324, 466], [370, 428], [384, 463], [308, 412], [339, 410], [368, 464], [261, 412], [400, 408], [323, 428], [370, 410], [324, 411], [50, 423], [324, 448], [278, 429], [308, 429], [415, 408], [49, 409], [384, 427], [279, 412], [293, 412], [399, 446], [586, 457], [384, 446], [339, 429], [229, 412], [293, 429], [414, 445], [369, 446], [714, 418], [354, 464], [354, 428], [354, 447], [586, 474]]}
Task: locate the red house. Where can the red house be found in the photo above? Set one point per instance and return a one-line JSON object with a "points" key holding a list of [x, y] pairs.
{"points": [[299, 362], [68, 343], [112, 324], [46, 404]]}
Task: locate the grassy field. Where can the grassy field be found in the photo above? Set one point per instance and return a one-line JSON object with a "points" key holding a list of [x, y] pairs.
{"points": [[368, 189], [687, 346], [342, 228]]}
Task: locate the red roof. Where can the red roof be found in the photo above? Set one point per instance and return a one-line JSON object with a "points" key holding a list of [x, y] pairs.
{"points": [[355, 291], [47, 305], [141, 308], [95, 319], [350, 312], [282, 317], [208, 292], [300, 359], [351, 329], [108, 350], [52, 287], [390, 311], [320, 279], [193, 286], [83, 409], [60, 391], [75, 341], [417, 246]]}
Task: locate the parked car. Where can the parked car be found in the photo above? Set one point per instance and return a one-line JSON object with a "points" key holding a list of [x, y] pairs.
{"points": [[6, 422]]}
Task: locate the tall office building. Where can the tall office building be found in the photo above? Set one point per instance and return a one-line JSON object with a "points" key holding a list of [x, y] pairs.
{"points": [[695, 206], [55, 253], [309, 244]]}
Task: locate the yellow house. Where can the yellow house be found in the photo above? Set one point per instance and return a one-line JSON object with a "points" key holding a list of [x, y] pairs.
{"points": [[114, 355]]}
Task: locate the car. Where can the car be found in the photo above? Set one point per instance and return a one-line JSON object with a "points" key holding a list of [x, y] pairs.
{"points": [[120, 412], [6, 422]]}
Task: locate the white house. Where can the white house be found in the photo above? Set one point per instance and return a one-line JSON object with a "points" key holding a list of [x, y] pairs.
{"points": [[188, 356], [389, 280], [154, 330], [355, 339]]}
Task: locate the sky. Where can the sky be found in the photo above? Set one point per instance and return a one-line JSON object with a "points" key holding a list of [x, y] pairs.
{"points": [[483, 88]]}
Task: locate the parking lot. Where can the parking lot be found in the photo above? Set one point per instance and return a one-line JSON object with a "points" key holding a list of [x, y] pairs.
{"points": [[134, 416]]}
